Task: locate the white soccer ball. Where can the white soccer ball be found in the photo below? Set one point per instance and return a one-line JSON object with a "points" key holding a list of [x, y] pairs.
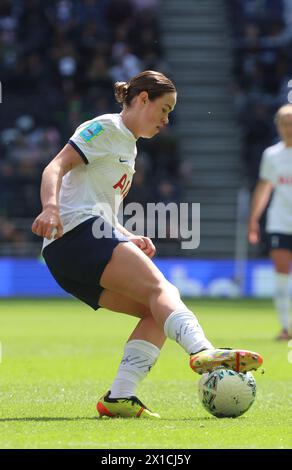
{"points": [[225, 393]]}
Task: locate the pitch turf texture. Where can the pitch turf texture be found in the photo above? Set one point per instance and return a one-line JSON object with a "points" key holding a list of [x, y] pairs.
{"points": [[59, 356]]}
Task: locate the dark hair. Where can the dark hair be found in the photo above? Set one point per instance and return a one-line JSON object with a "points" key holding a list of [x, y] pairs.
{"points": [[155, 83]]}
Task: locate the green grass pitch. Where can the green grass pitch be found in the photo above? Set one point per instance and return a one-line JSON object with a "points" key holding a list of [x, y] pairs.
{"points": [[59, 356]]}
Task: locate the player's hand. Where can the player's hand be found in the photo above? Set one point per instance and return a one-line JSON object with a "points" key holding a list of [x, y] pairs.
{"points": [[145, 244], [48, 224], [254, 232]]}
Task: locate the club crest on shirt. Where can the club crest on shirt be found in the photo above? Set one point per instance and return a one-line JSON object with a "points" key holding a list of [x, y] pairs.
{"points": [[91, 131]]}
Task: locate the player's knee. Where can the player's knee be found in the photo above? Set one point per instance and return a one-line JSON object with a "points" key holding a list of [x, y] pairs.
{"points": [[161, 287], [174, 290], [146, 313]]}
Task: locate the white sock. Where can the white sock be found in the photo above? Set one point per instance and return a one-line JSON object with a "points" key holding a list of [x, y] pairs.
{"points": [[282, 298], [139, 357], [184, 328]]}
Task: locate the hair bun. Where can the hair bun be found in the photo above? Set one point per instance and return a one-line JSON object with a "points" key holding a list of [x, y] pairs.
{"points": [[121, 90]]}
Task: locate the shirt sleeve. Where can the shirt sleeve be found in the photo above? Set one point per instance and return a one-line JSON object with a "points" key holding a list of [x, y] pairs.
{"points": [[267, 168], [91, 141]]}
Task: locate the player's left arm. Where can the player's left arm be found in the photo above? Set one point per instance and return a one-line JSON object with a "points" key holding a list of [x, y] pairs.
{"points": [[144, 243]]}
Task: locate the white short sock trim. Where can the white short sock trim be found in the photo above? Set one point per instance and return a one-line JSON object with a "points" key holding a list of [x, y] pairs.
{"points": [[144, 346], [169, 319], [138, 359], [183, 327]]}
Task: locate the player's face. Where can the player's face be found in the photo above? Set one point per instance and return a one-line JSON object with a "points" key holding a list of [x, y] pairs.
{"points": [[285, 127], [154, 114]]}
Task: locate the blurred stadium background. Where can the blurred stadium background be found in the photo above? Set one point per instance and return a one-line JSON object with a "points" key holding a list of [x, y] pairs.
{"points": [[231, 61]]}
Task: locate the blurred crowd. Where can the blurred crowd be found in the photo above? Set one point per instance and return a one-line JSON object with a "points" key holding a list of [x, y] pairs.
{"points": [[58, 63], [262, 40]]}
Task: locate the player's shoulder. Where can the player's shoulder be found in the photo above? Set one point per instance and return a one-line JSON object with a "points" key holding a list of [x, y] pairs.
{"points": [[104, 121], [274, 150], [109, 128], [105, 127], [114, 124]]}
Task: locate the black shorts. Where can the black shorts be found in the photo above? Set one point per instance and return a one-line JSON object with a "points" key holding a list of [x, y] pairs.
{"points": [[77, 260], [279, 241]]}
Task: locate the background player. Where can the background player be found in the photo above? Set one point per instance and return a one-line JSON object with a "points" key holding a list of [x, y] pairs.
{"points": [[276, 175]]}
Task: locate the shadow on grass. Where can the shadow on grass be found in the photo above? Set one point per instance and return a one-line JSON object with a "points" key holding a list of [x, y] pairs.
{"points": [[96, 418], [2, 420]]}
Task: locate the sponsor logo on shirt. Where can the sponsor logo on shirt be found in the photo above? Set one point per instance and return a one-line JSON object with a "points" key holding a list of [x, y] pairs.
{"points": [[91, 131], [285, 180], [124, 185]]}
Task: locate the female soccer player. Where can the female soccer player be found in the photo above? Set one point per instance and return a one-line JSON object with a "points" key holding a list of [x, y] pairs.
{"points": [[276, 175], [79, 192]]}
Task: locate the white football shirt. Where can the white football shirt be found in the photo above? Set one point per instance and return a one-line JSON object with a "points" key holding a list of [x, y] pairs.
{"points": [[108, 149], [276, 167]]}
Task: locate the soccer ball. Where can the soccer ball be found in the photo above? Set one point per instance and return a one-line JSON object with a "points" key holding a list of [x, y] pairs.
{"points": [[225, 393]]}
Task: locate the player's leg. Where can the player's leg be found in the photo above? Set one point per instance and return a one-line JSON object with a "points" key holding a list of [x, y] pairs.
{"points": [[140, 354], [132, 274], [282, 262], [142, 348], [146, 329]]}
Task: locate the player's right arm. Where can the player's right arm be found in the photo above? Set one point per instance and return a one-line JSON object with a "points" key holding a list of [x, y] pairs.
{"points": [[259, 202], [49, 219]]}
